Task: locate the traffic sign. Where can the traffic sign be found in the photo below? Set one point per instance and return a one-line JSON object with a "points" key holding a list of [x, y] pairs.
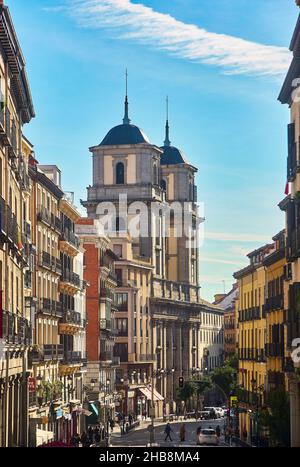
{"points": [[233, 402]]}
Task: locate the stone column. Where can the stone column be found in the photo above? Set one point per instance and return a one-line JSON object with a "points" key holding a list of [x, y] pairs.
{"points": [[169, 365]]}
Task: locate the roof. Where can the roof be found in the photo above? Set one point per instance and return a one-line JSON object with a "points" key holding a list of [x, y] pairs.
{"points": [[16, 62], [227, 302], [294, 70], [172, 156], [124, 134]]}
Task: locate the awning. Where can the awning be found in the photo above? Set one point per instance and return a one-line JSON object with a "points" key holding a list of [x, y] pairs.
{"points": [[157, 396], [94, 408], [147, 392]]}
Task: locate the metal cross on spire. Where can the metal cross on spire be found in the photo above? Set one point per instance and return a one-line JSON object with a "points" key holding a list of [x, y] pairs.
{"points": [[167, 141], [126, 120]]}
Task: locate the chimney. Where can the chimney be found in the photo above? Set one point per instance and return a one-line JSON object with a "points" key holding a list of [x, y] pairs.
{"points": [[220, 296]]}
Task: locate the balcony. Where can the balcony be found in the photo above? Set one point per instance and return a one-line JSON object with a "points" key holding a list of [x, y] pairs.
{"points": [[146, 358], [9, 229], [53, 352], [175, 291], [69, 242], [5, 126], [49, 219], [70, 323], [16, 329], [116, 361], [72, 357], [105, 324], [274, 349], [44, 216], [106, 356], [70, 282], [50, 308], [274, 303], [250, 314]]}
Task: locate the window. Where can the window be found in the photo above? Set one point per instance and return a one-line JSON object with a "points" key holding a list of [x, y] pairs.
{"points": [[120, 173], [122, 326], [122, 301], [121, 350]]}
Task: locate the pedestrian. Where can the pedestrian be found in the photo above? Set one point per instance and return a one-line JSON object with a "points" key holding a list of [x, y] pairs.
{"points": [[97, 436], [112, 425], [85, 440], [168, 431], [90, 432], [218, 431], [199, 430], [130, 419], [75, 440], [182, 433]]}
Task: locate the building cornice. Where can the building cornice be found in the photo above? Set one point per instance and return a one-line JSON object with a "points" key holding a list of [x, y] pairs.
{"points": [[16, 62], [41, 178]]}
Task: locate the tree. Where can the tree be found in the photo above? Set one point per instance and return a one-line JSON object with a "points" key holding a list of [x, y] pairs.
{"points": [[233, 362], [187, 392], [223, 377], [277, 417]]}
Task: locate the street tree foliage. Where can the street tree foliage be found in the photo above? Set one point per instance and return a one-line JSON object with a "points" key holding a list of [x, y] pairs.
{"points": [[224, 378], [277, 417]]}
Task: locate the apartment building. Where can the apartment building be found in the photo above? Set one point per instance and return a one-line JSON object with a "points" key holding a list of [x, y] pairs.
{"points": [[227, 303], [261, 334], [289, 95], [252, 338], [99, 272], [16, 109], [57, 358]]}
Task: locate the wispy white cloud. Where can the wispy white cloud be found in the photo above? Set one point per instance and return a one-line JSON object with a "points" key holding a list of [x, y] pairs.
{"points": [[237, 237], [205, 259], [139, 23]]}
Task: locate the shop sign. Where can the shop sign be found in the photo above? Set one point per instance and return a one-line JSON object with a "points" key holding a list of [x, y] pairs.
{"points": [[31, 384]]}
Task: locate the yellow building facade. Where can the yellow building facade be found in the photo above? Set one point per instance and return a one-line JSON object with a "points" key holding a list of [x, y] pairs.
{"points": [[16, 109]]}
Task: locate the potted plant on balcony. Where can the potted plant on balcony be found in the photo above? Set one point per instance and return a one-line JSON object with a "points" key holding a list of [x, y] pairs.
{"points": [[56, 387]]}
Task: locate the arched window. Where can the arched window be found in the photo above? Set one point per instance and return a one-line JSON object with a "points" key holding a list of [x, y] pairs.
{"points": [[163, 184], [120, 173]]}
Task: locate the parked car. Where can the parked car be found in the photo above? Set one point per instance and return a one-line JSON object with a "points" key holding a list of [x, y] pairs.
{"points": [[204, 415], [213, 412], [220, 411], [207, 436]]}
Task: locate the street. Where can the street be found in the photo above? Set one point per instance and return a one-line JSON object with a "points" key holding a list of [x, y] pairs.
{"points": [[140, 437]]}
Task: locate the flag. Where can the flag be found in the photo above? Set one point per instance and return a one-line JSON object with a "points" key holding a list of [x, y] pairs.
{"points": [[287, 189]]}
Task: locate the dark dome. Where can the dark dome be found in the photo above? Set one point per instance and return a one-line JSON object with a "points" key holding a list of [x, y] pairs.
{"points": [[172, 156], [125, 134]]}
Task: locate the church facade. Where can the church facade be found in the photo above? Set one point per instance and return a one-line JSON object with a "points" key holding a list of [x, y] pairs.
{"points": [[159, 307]]}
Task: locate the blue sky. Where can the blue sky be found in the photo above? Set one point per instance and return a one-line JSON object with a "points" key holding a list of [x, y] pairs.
{"points": [[223, 91]]}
